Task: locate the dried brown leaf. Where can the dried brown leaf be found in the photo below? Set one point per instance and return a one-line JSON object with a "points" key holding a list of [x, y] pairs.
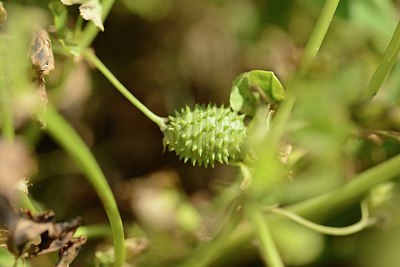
{"points": [[92, 10], [89, 10], [70, 251], [42, 60], [41, 53], [30, 235], [53, 236]]}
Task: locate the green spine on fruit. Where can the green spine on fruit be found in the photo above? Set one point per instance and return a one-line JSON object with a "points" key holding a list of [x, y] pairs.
{"points": [[205, 135]]}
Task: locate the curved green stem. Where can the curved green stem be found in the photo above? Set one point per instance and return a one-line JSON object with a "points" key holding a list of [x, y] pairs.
{"points": [[388, 60], [91, 57], [269, 250], [318, 34], [90, 32], [67, 137], [364, 222], [323, 205]]}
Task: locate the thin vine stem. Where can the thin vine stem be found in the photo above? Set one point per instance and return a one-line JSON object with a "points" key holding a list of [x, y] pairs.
{"points": [[67, 137], [268, 248], [388, 60], [91, 31], [93, 59], [318, 35], [364, 222], [349, 193]]}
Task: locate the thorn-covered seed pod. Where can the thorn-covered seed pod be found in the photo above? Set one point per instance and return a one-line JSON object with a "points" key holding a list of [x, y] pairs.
{"points": [[205, 135]]}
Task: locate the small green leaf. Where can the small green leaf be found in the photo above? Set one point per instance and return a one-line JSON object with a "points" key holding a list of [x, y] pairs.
{"points": [[253, 88], [236, 98]]}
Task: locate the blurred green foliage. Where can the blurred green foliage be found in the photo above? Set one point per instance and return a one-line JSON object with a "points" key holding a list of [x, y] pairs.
{"points": [[172, 53]]}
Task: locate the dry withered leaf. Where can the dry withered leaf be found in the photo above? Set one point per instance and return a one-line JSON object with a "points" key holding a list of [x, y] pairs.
{"points": [[42, 60], [30, 235], [92, 10], [53, 235], [70, 251], [41, 53], [89, 10], [3, 15]]}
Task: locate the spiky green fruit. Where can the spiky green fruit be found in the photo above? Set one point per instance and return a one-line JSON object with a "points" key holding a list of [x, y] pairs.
{"points": [[205, 135]]}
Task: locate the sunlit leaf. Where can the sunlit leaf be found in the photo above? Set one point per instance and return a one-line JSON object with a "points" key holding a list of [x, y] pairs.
{"points": [[91, 10], [250, 89]]}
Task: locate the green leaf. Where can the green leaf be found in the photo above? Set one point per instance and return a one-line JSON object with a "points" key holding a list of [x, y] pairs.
{"points": [[254, 88], [60, 15], [237, 97]]}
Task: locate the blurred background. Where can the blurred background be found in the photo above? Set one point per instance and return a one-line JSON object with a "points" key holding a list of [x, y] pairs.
{"points": [[172, 53]]}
